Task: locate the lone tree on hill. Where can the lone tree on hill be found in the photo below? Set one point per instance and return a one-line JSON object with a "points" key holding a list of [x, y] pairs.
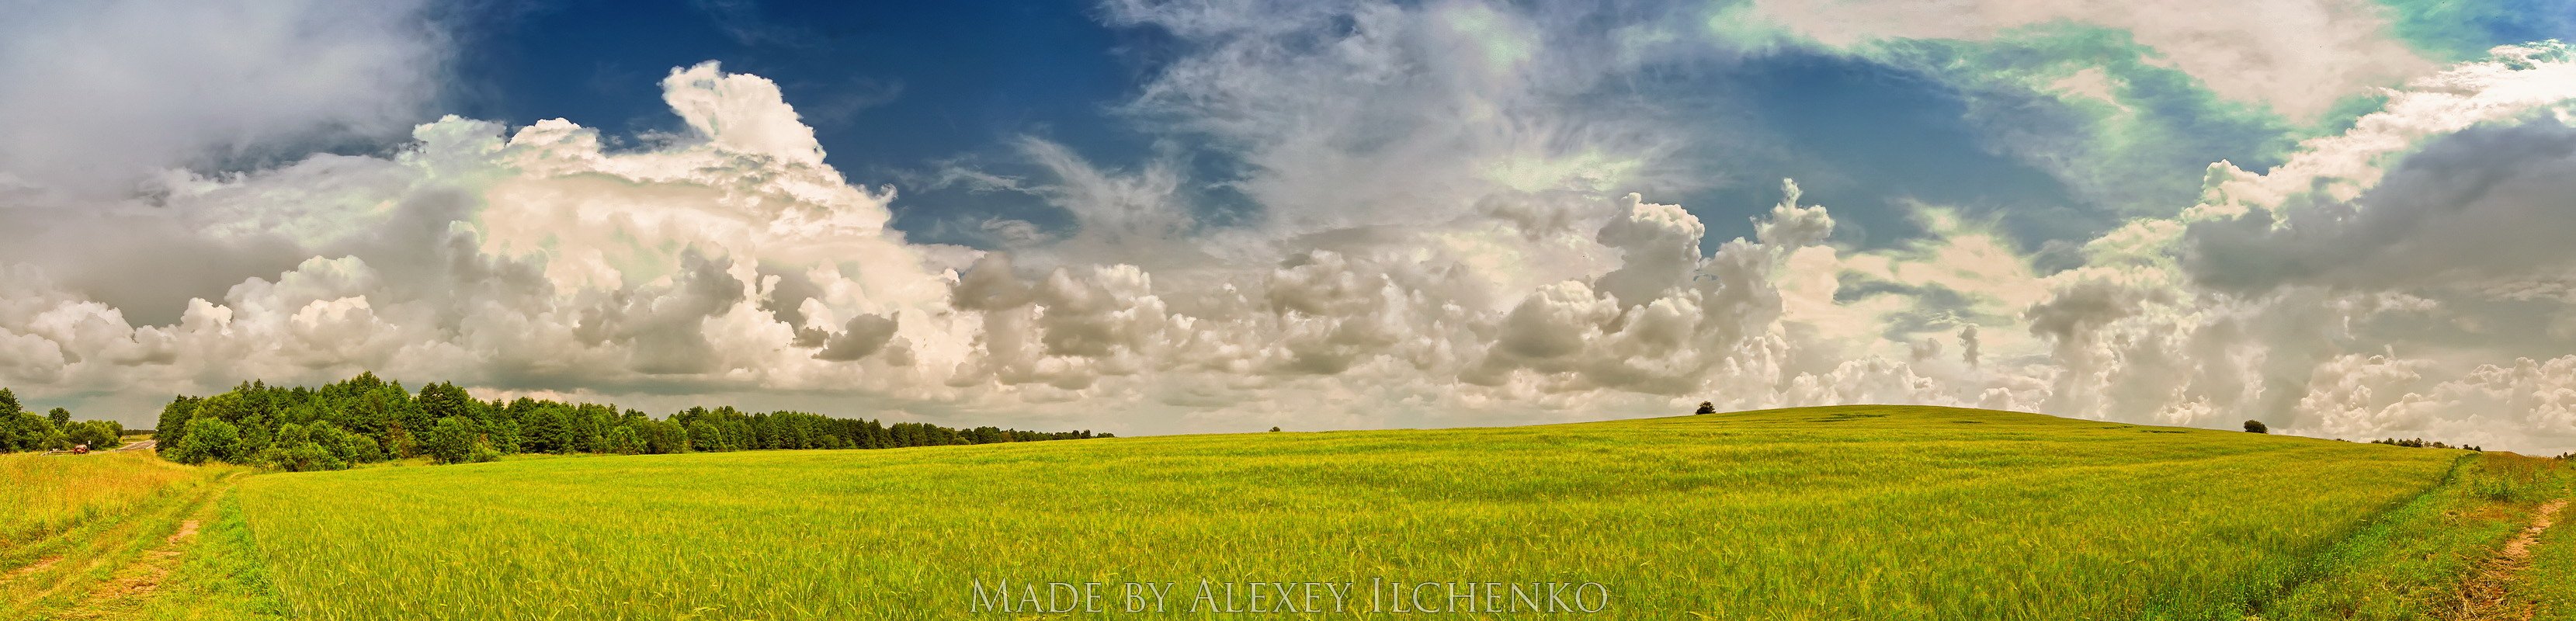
{"points": [[2256, 426], [1706, 408]]}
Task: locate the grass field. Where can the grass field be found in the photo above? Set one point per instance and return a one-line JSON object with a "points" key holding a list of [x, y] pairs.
{"points": [[124, 536], [1826, 513]]}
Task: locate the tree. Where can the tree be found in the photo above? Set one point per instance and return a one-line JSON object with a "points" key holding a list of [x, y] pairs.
{"points": [[209, 439], [1274, 428], [450, 441], [443, 400], [1706, 408], [624, 441], [174, 418], [62, 418], [98, 434], [2256, 426]]}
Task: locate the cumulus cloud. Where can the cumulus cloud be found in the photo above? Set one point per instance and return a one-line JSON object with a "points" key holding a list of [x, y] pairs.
{"points": [[1414, 265]]}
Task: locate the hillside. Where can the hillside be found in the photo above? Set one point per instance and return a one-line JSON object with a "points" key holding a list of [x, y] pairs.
{"points": [[1844, 512]]}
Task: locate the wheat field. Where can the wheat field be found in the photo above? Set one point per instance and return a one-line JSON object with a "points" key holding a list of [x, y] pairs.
{"points": [[1818, 513]]}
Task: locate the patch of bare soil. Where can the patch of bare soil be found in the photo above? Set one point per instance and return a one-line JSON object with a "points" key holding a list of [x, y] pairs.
{"points": [[2484, 595], [139, 580], [38, 566]]}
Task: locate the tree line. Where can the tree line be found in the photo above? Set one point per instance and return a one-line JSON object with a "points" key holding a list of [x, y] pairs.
{"points": [[368, 419], [21, 430], [2420, 443]]}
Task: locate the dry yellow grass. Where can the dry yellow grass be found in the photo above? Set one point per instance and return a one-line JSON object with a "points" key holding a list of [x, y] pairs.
{"points": [[43, 495]]}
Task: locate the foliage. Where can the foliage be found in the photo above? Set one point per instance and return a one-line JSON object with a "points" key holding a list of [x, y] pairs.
{"points": [[451, 441], [2420, 443], [98, 434], [21, 430], [2256, 426], [366, 419], [213, 439], [1705, 408], [1886, 513]]}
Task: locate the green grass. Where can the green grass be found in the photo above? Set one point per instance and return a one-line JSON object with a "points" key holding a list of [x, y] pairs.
{"points": [[44, 495], [99, 535], [1824, 513], [2549, 586], [2408, 563]]}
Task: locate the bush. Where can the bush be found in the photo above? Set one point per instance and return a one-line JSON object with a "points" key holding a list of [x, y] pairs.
{"points": [[299, 457], [624, 441], [210, 439], [451, 441], [1706, 408], [2256, 426], [98, 434]]}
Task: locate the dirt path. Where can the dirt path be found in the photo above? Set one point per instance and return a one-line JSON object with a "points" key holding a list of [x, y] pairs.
{"points": [[112, 566], [2484, 595]]}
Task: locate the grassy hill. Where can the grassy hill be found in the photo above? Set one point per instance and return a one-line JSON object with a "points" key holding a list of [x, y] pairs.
{"points": [[1816, 513]]}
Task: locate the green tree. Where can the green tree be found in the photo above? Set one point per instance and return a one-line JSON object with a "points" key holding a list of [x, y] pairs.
{"points": [[2256, 426], [662, 436], [98, 434], [704, 437], [173, 424], [450, 441], [623, 440], [61, 418], [443, 400], [209, 439], [15, 435], [1705, 408]]}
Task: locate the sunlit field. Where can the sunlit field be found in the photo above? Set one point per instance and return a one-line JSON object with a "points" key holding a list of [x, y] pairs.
{"points": [[1849, 512], [41, 495], [123, 536]]}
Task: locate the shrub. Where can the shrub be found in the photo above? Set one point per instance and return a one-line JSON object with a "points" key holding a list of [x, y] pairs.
{"points": [[98, 434], [2256, 426], [450, 441], [1706, 408], [209, 439]]}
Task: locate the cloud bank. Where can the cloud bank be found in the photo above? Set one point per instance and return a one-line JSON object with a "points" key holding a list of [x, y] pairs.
{"points": [[1448, 235]]}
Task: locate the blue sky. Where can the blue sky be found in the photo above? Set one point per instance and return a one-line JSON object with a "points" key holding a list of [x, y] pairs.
{"points": [[895, 90]]}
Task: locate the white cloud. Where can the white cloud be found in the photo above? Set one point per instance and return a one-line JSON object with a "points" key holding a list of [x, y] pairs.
{"points": [[100, 94], [2298, 56]]}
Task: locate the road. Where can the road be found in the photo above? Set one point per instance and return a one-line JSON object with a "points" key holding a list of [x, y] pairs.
{"points": [[141, 445]]}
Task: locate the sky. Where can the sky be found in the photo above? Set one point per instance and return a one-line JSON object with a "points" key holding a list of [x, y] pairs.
{"points": [[2342, 218]]}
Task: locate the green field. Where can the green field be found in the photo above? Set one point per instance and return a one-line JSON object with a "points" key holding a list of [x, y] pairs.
{"points": [[124, 536], [1818, 513], [1881, 513]]}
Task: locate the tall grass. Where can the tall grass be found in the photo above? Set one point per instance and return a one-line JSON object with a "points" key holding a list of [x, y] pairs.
{"points": [[41, 495], [89, 535], [1825, 513]]}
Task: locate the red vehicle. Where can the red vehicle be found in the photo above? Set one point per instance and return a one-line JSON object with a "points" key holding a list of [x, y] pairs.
{"points": [[80, 449]]}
